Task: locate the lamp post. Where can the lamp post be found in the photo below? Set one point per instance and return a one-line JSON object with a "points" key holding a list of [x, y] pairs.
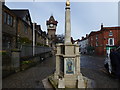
{"points": [[33, 39]]}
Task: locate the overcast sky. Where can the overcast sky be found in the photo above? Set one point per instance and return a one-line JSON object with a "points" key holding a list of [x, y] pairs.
{"points": [[85, 16]]}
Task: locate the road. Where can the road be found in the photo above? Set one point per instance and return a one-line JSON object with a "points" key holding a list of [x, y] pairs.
{"points": [[91, 67]]}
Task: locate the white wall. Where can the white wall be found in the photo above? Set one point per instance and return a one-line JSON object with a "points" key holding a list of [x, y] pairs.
{"points": [[83, 45]]}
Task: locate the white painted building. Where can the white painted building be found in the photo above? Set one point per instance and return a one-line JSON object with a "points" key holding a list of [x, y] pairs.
{"points": [[83, 45]]}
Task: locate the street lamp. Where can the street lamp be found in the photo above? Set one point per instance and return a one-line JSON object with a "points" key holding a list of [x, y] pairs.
{"points": [[33, 39]]}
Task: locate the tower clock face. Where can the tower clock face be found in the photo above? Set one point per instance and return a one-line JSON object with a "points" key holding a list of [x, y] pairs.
{"points": [[51, 25]]}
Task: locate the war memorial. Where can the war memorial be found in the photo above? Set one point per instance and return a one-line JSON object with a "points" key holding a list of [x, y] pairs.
{"points": [[68, 74]]}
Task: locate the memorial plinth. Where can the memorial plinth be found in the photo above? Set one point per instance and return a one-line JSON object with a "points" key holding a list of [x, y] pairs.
{"points": [[68, 66]]}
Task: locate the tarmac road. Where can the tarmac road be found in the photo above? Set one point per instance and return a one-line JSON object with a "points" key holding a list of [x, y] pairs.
{"points": [[93, 68]]}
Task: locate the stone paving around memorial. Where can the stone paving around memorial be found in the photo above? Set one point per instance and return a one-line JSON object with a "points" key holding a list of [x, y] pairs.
{"points": [[91, 67]]}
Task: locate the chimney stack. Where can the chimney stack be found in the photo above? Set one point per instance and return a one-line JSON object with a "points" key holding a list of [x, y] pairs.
{"points": [[82, 38], [101, 25]]}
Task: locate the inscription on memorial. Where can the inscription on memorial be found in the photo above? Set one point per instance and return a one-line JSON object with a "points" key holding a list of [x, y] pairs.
{"points": [[69, 66]]}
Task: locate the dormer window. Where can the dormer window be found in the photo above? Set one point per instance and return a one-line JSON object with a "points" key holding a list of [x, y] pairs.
{"points": [[110, 33]]}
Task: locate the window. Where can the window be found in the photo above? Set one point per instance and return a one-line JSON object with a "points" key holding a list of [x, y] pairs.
{"points": [[97, 43], [110, 33], [91, 44], [91, 38], [111, 41], [25, 29], [8, 19], [5, 17], [96, 37]]}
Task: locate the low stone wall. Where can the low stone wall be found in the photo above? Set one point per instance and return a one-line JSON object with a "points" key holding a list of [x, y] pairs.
{"points": [[16, 63], [27, 62]]}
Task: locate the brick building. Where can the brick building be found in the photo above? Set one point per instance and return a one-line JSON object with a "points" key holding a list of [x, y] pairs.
{"points": [[105, 37]]}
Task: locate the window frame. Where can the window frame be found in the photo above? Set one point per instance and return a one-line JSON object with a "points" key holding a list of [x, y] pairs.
{"points": [[110, 33], [112, 42]]}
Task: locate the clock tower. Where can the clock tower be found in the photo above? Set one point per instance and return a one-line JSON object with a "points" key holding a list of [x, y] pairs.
{"points": [[51, 29]]}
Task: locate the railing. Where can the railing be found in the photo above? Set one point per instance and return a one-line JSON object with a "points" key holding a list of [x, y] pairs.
{"points": [[28, 50]]}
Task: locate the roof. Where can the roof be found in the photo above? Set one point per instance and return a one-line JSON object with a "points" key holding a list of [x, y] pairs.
{"points": [[111, 28], [51, 18], [103, 29], [51, 21], [20, 12], [5, 7]]}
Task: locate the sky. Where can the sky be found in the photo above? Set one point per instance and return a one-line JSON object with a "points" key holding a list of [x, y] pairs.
{"points": [[85, 16]]}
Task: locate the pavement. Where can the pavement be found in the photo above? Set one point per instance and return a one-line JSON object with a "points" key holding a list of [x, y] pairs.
{"points": [[91, 67], [32, 77]]}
